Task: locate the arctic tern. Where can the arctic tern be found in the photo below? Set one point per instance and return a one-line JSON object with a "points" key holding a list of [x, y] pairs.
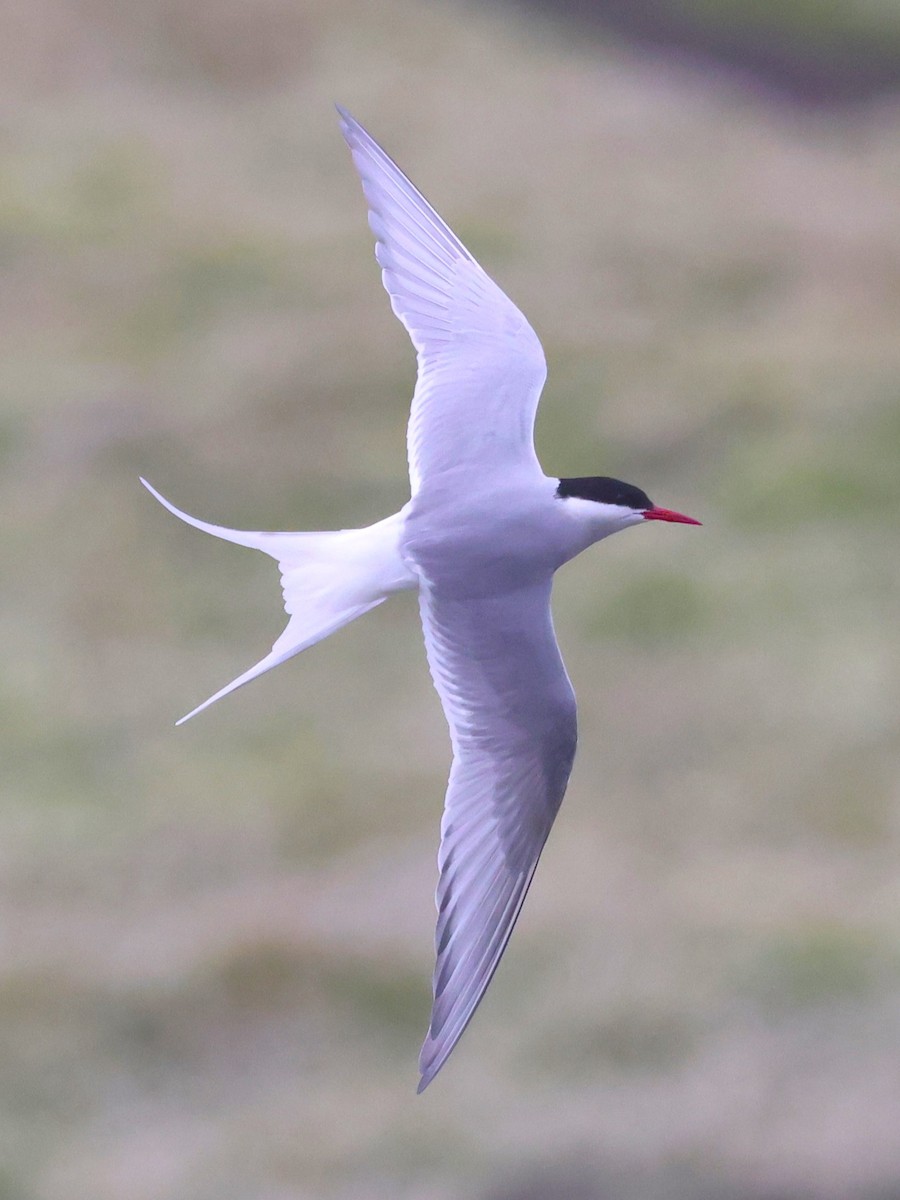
{"points": [[481, 537]]}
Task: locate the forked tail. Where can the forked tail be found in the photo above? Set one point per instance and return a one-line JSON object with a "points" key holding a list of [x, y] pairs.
{"points": [[328, 579]]}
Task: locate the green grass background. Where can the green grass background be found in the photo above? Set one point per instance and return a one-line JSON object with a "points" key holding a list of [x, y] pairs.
{"points": [[216, 941]]}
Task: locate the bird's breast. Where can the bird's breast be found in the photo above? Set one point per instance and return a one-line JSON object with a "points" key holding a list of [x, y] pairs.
{"points": [[483, 541]]}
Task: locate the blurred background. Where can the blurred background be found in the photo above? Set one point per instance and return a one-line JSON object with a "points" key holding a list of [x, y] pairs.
{"points": [[216, 942]]}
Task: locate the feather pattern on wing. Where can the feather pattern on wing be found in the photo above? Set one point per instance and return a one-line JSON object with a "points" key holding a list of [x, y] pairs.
{"points": [[481, 366], [511, 712]]}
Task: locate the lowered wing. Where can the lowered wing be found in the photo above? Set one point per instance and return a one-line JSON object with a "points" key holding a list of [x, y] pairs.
{"points": [[511, 712]]}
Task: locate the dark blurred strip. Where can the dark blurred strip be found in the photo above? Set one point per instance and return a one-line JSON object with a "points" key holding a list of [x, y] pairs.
{"points": [[816, 52]]}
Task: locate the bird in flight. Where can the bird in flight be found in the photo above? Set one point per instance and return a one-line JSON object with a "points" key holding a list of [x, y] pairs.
{"points": [[480, 540]]}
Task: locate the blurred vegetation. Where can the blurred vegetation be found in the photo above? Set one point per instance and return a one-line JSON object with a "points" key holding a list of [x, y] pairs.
{"points": [[216, 941], [819, 51]]}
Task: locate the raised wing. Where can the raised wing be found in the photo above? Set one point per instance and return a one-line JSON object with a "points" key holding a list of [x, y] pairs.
{"points": [[511, 712], [481, 366]]}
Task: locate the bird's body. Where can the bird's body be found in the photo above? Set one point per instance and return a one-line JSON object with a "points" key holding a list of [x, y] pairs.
{"points": [[481, 538], [490, 535]]}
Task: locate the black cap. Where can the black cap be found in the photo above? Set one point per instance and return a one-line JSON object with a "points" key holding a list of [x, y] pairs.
{"points": [[605, 491]]}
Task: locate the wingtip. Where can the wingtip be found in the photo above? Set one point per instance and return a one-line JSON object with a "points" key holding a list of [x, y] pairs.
{"points": [[355, 135], [427, 1074], [346, 119], [430, 1062]]}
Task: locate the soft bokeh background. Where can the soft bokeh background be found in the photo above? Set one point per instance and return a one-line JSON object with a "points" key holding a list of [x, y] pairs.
{"points": [[216, 942]]}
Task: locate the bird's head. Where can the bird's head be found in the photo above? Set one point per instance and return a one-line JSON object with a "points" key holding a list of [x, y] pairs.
{"points": [[611, 504]]}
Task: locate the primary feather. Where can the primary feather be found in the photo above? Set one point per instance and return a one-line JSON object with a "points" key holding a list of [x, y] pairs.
{"points": [[481, 366], [511, 712]]}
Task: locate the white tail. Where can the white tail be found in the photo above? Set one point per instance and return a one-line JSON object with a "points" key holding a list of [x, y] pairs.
{"points": [[328, 579]]}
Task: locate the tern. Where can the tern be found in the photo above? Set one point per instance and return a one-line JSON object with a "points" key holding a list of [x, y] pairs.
{"points": [[480, 540]]}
